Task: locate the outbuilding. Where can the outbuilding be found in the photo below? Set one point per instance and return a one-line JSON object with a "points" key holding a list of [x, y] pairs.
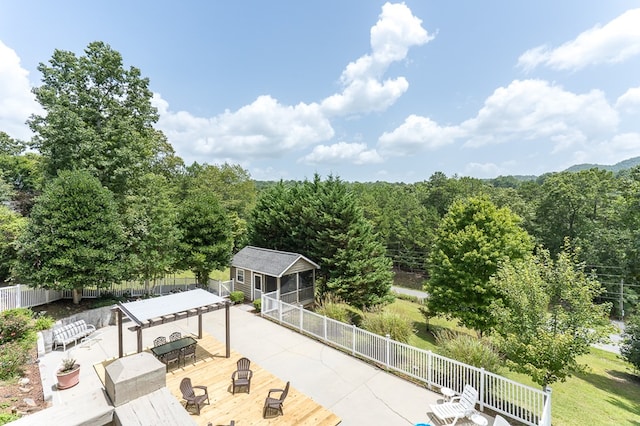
{"points": [[255, 270]]}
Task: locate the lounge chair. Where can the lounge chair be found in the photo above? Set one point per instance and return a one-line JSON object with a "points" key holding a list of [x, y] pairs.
{"points": [[189, 395], [500, 421], [242, 376], [271, 404], [458, 407]]}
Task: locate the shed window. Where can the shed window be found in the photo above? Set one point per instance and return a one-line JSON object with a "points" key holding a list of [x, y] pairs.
{"points": [[240, 275], [288, 283], [306, 279]]}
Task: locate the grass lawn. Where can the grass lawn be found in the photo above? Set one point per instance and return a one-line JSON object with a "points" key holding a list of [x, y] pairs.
{"points": [[215, 275], [608, 394]]}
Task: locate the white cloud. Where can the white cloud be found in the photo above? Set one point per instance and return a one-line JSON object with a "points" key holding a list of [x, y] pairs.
{"points": [[629, 102], [16, 100], [610, 151], [342, 152], [536, 109], [483, 170], [415, 134], [264, 128], [391, 37], [616, 41]]}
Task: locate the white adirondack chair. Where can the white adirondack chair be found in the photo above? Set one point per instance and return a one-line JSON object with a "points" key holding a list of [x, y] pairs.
{"points": [[458, 407]]}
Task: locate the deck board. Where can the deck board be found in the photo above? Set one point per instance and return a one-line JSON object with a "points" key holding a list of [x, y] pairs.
{"points": [[213, 370]]}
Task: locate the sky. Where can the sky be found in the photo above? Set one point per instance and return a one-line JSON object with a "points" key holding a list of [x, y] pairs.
{"points": [[363, 90]]}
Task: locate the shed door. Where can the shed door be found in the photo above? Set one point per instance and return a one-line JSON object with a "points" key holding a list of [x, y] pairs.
{"points": [[257, 286]]}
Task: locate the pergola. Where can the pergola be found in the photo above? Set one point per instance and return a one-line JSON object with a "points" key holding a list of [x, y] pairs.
{"points": [[148, 313]]}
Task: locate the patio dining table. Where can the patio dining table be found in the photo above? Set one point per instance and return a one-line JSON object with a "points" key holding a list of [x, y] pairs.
{"points": [[165, 348]]}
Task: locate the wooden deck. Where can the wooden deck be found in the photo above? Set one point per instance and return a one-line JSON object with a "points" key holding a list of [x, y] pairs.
{"points": [[213, 370]]}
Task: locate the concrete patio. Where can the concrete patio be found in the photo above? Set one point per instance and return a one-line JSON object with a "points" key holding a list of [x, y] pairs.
{"points": [[355, 391]]}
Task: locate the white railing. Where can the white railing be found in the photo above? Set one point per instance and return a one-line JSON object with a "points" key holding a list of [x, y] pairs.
{"points": [[24, 296], [524, 403]]}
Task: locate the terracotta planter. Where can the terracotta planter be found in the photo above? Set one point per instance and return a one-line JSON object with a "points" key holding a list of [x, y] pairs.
{"points": [[69, 378]]}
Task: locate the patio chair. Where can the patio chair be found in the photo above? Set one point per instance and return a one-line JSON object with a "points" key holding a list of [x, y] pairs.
{"points": [[172, 357], [242, 376], [188, 352], [500, 421], [175, 336], [271, 403], [159, 341], [189, 395], [458, 407]]}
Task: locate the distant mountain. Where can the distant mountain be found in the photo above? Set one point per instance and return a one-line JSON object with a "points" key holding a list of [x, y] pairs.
{"points": [[623, 165]]}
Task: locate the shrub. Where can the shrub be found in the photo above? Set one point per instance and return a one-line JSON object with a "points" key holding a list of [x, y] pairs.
{"points": [[14, 324], [13, 355], [630, 348], [8, 418], [468, 349], [43, 322], [408, 297], [396, 326], [236, 297], [335, 308], [257, 305]]}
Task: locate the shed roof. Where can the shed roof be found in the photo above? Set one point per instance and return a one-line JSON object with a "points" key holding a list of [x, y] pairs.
{"points": [[141, 311], [267, 261]]}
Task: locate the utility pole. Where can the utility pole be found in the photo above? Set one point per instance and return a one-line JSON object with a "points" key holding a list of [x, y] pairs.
{"points": [[621, 299]]}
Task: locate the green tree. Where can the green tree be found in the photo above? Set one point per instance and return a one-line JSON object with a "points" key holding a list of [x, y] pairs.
{"points": [[235, 189], [473, 239], [322, 220], [74, 238], [206, 240], [547, 317], [11, 226], [151, 227], [630, 348], [98, 117]]}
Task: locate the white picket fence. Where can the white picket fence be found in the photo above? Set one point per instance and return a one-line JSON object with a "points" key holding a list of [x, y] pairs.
{"points": [[24, 296], [520, 402]]}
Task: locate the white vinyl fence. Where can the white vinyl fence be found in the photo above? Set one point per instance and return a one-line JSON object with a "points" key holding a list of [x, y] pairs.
{"points": [[524, 403], [24, 296]]}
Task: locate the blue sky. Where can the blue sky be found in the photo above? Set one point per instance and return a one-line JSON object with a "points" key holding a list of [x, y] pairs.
{"points": [[365, 90]]}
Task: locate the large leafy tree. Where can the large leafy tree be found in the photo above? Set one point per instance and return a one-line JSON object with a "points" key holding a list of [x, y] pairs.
{"points": [[98, 117], [11, 227], [206, 239], [74, 237], [547, 317], [322, 220], [151, 226], [235, 189], [630, 348], [473, 239]]}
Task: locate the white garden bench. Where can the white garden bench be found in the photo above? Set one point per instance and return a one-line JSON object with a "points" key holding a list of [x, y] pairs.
{"points": [[72, 332]]}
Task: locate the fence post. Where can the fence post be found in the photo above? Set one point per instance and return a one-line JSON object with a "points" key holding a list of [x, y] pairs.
{"points": [[301, 318], [546, 414], [429, 368], [387, 343], [324, 327], [481, 392], [18, 296], [353, 339], [279, 310]]}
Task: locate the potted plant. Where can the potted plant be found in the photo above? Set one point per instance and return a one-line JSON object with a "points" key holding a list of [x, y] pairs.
{"points": [[69, 374]]}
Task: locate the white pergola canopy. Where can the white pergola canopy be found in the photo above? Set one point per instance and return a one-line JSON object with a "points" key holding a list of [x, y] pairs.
{"points": [[160, 310], [147, 311]]}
